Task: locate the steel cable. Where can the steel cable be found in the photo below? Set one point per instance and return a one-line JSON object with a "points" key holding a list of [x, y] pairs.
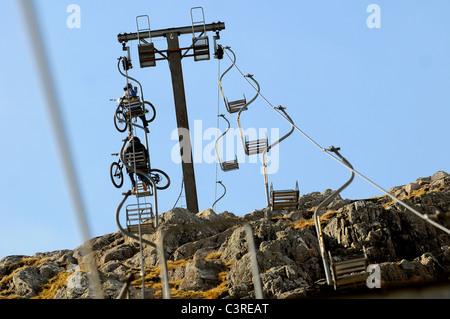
{"points": [[411, 209]]}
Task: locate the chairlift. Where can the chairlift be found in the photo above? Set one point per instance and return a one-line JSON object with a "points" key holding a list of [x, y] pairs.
{"points": [[251, 147], [146, 50], [200, 43], [342, 273], [280, 199], [236, 105], [131, 107], [226, 165]]}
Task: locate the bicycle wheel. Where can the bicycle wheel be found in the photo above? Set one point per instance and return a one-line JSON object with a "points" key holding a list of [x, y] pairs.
{"points": [[160, 178], [151, 112], [116, 175], [120, 120]]}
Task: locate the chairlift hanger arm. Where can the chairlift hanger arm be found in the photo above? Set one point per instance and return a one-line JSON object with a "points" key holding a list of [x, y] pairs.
{"points": [[330, 198], [215, 26], [224, 192], [223, 134]]}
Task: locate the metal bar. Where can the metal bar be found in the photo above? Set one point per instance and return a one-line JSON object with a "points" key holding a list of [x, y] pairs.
{"points": [[266, 179], [182, 122], [41, 60], [259, 294], [125, 287], [164, 272], [317, 216], [215, 26], [224, 192]]}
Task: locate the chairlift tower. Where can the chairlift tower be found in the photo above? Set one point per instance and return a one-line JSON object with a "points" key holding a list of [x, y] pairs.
{"points": [[148, 55]]}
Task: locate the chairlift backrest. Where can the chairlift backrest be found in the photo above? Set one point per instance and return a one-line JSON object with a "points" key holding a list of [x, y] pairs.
{"points": [[139, 158]]}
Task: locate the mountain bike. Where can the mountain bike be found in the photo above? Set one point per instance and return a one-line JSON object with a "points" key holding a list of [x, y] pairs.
{"points": [[159, 177], [126, 111]]}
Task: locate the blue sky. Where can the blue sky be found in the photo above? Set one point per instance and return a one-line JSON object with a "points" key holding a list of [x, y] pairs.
{"points": [[381, 94]]}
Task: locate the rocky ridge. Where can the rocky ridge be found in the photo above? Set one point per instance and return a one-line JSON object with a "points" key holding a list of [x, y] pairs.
{"points": [[208, 256]]}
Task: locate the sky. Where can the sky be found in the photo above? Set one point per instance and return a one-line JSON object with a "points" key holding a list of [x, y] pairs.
{"points": [[372, 80]]}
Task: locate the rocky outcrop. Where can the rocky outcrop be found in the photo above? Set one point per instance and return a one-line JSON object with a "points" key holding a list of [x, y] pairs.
{"points": [[208, 255]]}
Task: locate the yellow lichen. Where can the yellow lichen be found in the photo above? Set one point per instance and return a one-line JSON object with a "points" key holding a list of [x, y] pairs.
{"points": [[48, 290], [304, 223]]}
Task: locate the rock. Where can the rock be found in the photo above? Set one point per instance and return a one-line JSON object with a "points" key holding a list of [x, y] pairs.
{"points": [[281, 279], [201, 275], [208, 214], [438, 176], [411, 187], [77, 286], [27, 282], [188, 250], [235, 247], [8, 261], [241, 272], [121, 252]]}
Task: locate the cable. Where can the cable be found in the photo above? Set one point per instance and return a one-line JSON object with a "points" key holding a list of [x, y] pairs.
{"points": [[217, 129], [424, 217]]}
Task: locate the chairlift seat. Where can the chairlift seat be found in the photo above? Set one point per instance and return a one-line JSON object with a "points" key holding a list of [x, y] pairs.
{"points": [[139, 158], [236, 106], [146, 50], [133, 107], [229, 165], [201, 48], [349, 273], [140, 216], [256, 146]]}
